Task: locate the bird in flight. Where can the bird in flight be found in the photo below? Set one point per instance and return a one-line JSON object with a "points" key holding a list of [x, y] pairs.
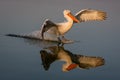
{"points": [[58, 30]]}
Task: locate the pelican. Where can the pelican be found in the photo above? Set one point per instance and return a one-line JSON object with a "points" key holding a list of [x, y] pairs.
{"points": [[56, 31]]}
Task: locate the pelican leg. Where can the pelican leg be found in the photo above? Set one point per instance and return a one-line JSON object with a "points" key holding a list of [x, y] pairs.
{"points": [[59, 38], [59, 41]]}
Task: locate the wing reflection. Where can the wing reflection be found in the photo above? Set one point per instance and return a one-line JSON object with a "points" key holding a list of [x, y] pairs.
{"points": [[54, 53]]}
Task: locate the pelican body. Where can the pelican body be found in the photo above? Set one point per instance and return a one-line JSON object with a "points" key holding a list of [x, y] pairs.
{"points": [[56, 31]]}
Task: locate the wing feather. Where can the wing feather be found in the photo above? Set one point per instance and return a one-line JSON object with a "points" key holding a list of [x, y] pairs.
{"points": [[46, 26], [90, 15]]}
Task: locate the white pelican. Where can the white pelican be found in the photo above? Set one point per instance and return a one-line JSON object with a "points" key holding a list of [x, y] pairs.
{"points": [[56, 31]]}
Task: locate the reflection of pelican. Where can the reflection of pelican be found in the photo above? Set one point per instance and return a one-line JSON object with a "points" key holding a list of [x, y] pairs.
{"points": [[53, 31], [51, 54]]}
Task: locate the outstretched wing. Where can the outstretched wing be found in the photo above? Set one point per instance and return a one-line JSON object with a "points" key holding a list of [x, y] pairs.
{"points": [[47, 59], [90, 15], [46, 26]]}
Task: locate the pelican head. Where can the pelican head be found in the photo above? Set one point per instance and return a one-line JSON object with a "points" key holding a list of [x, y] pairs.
{"points": [[68, 15], [65, 12]]}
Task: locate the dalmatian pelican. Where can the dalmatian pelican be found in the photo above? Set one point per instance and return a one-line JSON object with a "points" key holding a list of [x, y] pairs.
{"points": [[56, 31]]}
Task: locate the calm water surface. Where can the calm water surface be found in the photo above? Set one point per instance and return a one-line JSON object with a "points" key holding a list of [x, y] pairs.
{"points": [[20, 59]]}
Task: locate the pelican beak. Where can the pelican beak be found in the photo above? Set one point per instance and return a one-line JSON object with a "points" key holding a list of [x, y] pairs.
{"points": [[73, 17], [71, 66]]}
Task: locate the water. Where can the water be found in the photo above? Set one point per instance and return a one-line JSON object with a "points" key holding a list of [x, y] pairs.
{"points": [[20, 59]]}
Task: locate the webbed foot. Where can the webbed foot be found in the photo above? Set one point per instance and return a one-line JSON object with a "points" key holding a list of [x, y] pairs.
{"points": [[64, 40]]}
